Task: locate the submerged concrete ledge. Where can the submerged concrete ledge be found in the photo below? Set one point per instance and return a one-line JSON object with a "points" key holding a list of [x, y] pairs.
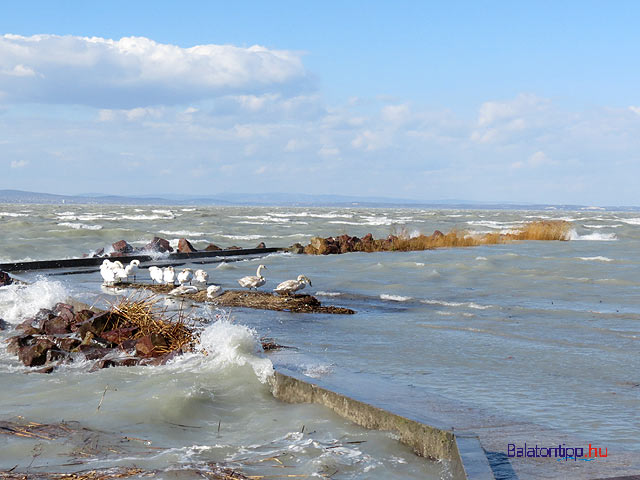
{"points": [[95, 261], [465, 455]]}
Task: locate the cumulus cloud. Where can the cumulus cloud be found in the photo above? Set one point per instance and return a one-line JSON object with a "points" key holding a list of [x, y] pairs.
{"points": [[499, 120], [538, 159], [19, 163], [138, 72]]}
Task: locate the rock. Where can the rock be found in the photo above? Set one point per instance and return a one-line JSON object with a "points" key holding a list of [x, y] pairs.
{"points": [[119, 335], [92, 352], [99, 323], [97, 253], [437, 234], [212, 248], [184, 246], [158, 245], [65, 311], [160, 360], [107, 363], [5, 279], [67, 343], [15, 343], [56, 326], [147, 345], [81, 316], [55, 355], [295, 248], [4, 325], [261, 245], [144, 346], [121, 247], [234, 247], [36, 354]]}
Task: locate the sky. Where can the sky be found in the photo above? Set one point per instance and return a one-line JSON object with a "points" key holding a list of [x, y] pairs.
{"points": [[526, 102]]}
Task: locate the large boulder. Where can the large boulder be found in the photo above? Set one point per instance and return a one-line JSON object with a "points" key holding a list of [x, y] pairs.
{"points": [[5, 279], [121, 248], [158, 245], [295, 248], [119, 335], [212, 248], [261, 245], [36, 354], [56, 326], [148, 345], [184, 246]]}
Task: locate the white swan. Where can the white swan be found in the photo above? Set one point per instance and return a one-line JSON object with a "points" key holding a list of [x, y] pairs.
{"points": [[214, 291], [169, 276], [290, 286], [184, 290], [156, 274], [252, 281], [201, 277], [132, 269], [107, 272], [185, 276]]}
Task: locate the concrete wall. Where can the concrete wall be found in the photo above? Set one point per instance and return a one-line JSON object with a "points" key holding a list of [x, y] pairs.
{"points": [[465, 455]]}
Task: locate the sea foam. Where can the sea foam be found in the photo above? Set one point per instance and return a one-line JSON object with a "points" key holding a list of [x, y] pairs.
{"points": [[18, 302]]}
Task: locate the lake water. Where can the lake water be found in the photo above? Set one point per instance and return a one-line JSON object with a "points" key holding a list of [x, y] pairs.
{"points": [[528, 341]]}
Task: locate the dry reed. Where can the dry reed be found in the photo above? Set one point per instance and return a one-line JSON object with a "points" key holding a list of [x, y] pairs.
{"points": [[143, 313], [541, 230]]}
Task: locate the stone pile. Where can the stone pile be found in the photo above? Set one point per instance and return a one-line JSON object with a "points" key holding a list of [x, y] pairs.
{"points": [[64, 335], [122, 248]]}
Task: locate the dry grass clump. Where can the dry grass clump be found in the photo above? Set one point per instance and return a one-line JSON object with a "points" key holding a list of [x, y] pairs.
{"points": [[400, 240], [544, 230], [144, 314]]}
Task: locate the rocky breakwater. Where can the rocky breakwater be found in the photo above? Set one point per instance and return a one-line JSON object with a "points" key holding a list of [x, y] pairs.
{"points": [[122, 248], [347, 243], [131, 333], [547, 230]]}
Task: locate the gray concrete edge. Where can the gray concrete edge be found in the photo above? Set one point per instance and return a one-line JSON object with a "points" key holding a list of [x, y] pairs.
{"points": [[465, 455]]}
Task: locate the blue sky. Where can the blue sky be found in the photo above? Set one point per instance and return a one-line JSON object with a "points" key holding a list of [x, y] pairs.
{"points": [[486, 101]]}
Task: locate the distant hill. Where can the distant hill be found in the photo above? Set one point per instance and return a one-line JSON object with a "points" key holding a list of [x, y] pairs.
{"points": [[271, 199]]}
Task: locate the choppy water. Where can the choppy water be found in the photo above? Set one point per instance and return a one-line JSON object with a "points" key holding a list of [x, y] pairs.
{"points": [[543, 334]]}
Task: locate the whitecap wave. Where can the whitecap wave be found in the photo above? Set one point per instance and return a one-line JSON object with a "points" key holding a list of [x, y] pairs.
{"points": [[445, 303], [243, 237], [394, 298], [80, 226], [328, 294], [616, 225], [13, 214], [596, 259], [631, 221], [229, 344], [595, 236], [146, 217], [18, 302], [182, 233]]}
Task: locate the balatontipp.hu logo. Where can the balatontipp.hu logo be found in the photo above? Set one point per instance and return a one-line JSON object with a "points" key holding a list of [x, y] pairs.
{"points": [[561, 452]]}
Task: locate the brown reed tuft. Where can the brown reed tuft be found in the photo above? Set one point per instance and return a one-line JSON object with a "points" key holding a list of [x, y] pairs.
{"points": [[143, 313]]}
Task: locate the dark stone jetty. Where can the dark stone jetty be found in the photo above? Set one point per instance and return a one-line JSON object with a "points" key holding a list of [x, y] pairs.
{"points": [[299, 303]]}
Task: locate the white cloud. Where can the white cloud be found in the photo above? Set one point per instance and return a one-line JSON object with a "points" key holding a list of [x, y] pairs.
{"points": [[328, 151], [538, 159], [19, 70], [19, 163], [635, 110], [501, 121], [136, 71]]}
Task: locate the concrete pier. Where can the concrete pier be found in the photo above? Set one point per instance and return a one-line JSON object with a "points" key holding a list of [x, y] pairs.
{"points": [[465, 456]]}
